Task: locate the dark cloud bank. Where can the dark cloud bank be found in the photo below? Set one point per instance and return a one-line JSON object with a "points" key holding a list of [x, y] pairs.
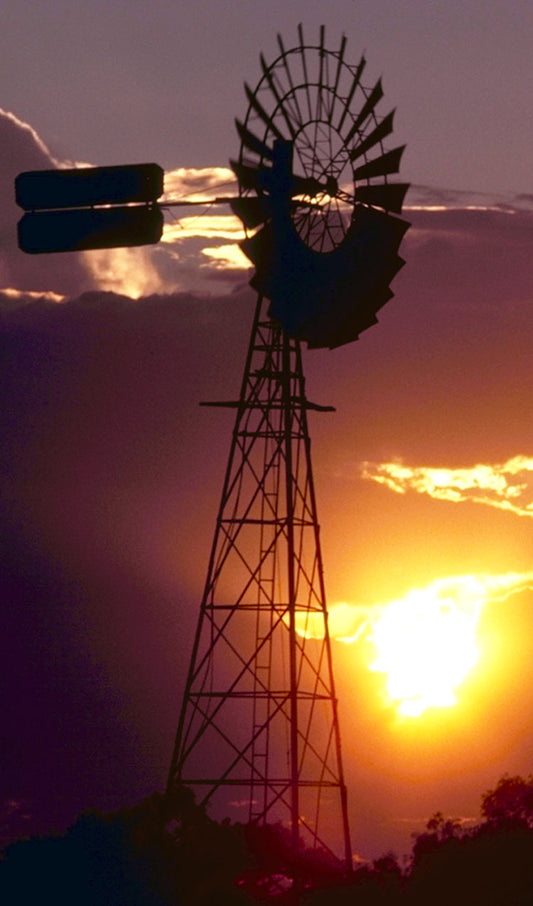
{"points": [[110, 473], [104, 464]]}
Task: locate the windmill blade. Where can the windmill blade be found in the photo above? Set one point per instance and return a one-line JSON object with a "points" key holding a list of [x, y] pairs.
{"points": [[262, 179], [389, 272], [252, 211], [377, 135], [386, 294], [377, 227], [352, 330], [261, 112], [318, 109], [375, 95], [338, 73], [355, 313], [381, 166], [389, 196], [268, 75], [355, 83], [249, 177], [250, 141], [304, 67], [258, 250], [361, 319], [286, 67]]}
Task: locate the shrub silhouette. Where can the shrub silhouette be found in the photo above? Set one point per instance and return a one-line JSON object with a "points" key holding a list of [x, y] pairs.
{"points": [[168, 852]]}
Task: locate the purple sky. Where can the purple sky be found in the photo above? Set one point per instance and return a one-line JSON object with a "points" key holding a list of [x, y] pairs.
{"points": [[111, 471], [116, 82]]}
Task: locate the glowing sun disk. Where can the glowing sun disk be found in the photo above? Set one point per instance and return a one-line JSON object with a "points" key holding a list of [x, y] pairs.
{"points": [[426, 644]]}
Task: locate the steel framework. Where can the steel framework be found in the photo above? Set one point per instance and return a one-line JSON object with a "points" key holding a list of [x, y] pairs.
{"points": [[259, 724]]}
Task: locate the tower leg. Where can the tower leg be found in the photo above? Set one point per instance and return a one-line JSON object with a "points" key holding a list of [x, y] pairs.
{"points": [[258, 733]]}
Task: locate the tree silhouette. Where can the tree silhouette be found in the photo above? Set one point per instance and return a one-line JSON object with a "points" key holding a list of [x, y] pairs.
{"points": [[169, 852], [509, 803], [490, 864], [112, 859]]}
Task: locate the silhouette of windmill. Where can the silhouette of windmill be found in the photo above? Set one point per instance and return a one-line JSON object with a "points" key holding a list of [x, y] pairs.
{"points": [[259, 719]]}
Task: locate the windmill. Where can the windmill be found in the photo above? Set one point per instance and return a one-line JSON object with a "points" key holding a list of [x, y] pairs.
{"points": [[259, 720]]}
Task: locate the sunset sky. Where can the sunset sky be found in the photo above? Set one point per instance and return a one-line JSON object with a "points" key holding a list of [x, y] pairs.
{"points": [[111, 471]]}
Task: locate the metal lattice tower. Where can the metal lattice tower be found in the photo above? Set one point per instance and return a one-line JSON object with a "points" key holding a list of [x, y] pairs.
{"points": [[259, 716], [259, 720]]}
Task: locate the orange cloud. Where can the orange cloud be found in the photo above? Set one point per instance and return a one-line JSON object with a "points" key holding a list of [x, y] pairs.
{"points": [[187, 228], [31, 295], [192, 183], [227, 257], [206, 226], [505, 486], [127, 271]]}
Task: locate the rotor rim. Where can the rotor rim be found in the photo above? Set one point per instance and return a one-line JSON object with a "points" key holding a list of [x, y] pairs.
{"points": [[289, 104]]}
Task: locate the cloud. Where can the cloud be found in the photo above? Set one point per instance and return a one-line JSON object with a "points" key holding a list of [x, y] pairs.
{"points": [[505, 486], [188, 218], [200, 244], [203, 240], [351, 622], [128, 271], [461, 245], [194, 183], [467, 257], [346, 622], [110, 473], [204, 226], [227, 257], [433, 198], [23, 149], [17, 295], [419, 822]]}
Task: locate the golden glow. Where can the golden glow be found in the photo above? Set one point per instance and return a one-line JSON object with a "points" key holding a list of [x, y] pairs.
{"points": [[193, 182], [346, 622], [505, 486], [205, 226], [128, 271], [425, 642], [225, 257], [34, 295]]}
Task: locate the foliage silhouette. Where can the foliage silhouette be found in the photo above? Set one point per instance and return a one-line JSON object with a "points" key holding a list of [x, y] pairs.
{"points": [[168, 852], [112, 859], [490, 864], [510, 802]]}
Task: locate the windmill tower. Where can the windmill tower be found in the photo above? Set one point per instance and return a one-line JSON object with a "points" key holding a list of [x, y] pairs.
{"points": [[259, 719]]}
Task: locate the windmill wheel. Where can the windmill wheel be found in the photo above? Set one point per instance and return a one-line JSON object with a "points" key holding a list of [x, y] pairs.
{"points": [[314, 194]]}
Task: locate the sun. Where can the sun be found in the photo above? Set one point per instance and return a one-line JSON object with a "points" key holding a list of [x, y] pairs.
{"points": [[426, 644]]}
